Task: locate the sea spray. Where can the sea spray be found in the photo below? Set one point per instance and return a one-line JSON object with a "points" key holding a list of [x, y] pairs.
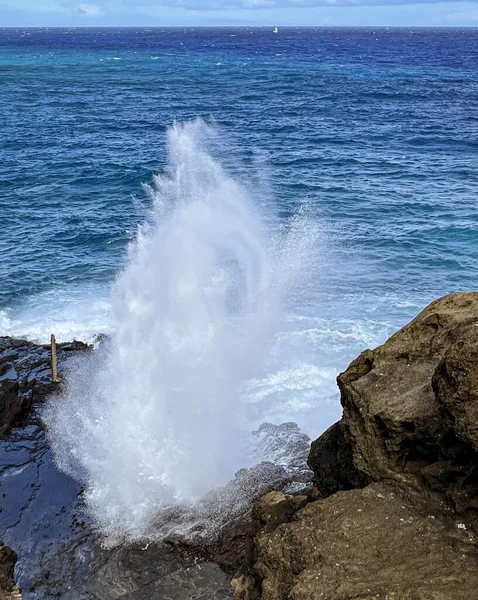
{"points": [[155, 418]]}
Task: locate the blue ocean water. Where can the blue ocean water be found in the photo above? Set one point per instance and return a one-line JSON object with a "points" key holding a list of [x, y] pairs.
{"points": [[375, 131]]}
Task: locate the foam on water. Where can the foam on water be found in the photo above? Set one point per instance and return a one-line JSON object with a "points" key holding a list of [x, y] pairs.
{"points": [[79, 313], [157, 417]]}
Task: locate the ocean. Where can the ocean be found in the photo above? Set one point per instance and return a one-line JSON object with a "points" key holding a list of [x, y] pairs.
{"points": [[372, 134]]}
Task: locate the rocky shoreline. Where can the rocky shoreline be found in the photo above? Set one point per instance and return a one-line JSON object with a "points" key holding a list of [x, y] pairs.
{"points": [[392, 512], [25, 376], [396, 516], [61, 555]]}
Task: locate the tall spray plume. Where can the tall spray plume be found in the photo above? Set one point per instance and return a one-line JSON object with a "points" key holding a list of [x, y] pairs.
{"points": [[155, 418]]}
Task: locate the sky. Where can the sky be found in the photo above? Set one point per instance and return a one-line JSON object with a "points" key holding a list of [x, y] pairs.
{"points": [[94, 13]]}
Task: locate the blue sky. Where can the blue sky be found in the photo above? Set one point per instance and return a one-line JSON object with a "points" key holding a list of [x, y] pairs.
{"points": [[91, 13]]}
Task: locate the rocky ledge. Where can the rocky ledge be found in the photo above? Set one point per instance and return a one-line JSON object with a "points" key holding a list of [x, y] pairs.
{"points": [[25, 376], [60, 553], [395, 513]]}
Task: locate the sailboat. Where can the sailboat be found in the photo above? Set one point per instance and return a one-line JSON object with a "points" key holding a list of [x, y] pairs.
{"points": [[275, 30]]}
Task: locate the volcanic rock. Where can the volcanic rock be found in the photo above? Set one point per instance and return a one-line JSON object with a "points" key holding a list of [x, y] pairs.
{"points": [[8, 589], [381, 542], [25, 376], [397, 477], [192, 552]]}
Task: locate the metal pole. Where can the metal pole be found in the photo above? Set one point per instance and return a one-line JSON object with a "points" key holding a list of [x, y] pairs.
{"points": [[54, 363]]}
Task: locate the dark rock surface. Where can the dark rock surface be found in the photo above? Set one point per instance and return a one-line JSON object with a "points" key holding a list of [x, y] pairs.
{"points": [[42, 516], [331, 460], [36, 500], [25, 376], [60, 555], [405, 452]]}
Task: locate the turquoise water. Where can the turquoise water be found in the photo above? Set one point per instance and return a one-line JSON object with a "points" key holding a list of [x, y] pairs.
{"points": [[374, 131]]}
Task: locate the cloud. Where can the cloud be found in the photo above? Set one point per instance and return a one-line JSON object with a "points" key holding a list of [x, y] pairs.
{"points": [[206, 5], [105, 7], [423, 13], [89, 10]]}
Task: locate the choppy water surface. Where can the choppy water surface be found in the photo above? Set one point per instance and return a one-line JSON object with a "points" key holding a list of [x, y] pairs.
{"points": [[372, 132]]}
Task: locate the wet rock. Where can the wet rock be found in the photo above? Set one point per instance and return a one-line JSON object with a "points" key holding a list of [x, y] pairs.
{"points": [[284, 445], [12, 406], [230, 510], [8, 589], [201, 548], [37, 502], [25, 376], [61, 555], [157, 571]]}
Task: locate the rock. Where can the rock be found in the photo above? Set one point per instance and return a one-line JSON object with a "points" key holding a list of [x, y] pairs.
{"points": [[12, 406], [153, 571], [331, 460], [284, 445], [61, 555], [455, 383], [397, 476], [370, 544], [43, 517], [25, 376], [225, 520], [276, 508], [8, 589], [411, 404], [201, 547]]}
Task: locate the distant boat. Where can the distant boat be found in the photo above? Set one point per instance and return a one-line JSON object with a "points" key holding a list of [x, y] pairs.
{"points": [[276, 30]]}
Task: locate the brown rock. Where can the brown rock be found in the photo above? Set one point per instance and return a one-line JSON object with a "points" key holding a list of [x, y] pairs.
{"points": [[381, 542], [455, 383], [276, 507], [8, 589], [409, 433], [411, 403], [331, 460]]}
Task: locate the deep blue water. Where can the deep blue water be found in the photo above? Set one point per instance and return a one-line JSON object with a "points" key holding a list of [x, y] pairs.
{"points": [[376, 130]]}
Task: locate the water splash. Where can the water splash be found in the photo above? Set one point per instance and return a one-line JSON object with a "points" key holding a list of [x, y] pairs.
{"points": [[155, 417]]}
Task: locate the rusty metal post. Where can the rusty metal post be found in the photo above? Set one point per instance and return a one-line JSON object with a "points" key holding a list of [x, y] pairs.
{"points": [[54, 363]]}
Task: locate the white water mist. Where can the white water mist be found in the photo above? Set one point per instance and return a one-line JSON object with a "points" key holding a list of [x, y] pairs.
{"points": [[155, 417]]}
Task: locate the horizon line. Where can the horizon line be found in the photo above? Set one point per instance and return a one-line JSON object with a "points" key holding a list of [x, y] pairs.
{"points": [[322, 26]]}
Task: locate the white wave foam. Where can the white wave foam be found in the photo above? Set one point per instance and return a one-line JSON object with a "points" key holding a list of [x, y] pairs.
{"points": [[71, 313], [5, 323]]}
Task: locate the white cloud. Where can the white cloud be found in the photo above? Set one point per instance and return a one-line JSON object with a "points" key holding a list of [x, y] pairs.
{"points": [[238, 12], [115, 7], [90, 10], [261, 4]]}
